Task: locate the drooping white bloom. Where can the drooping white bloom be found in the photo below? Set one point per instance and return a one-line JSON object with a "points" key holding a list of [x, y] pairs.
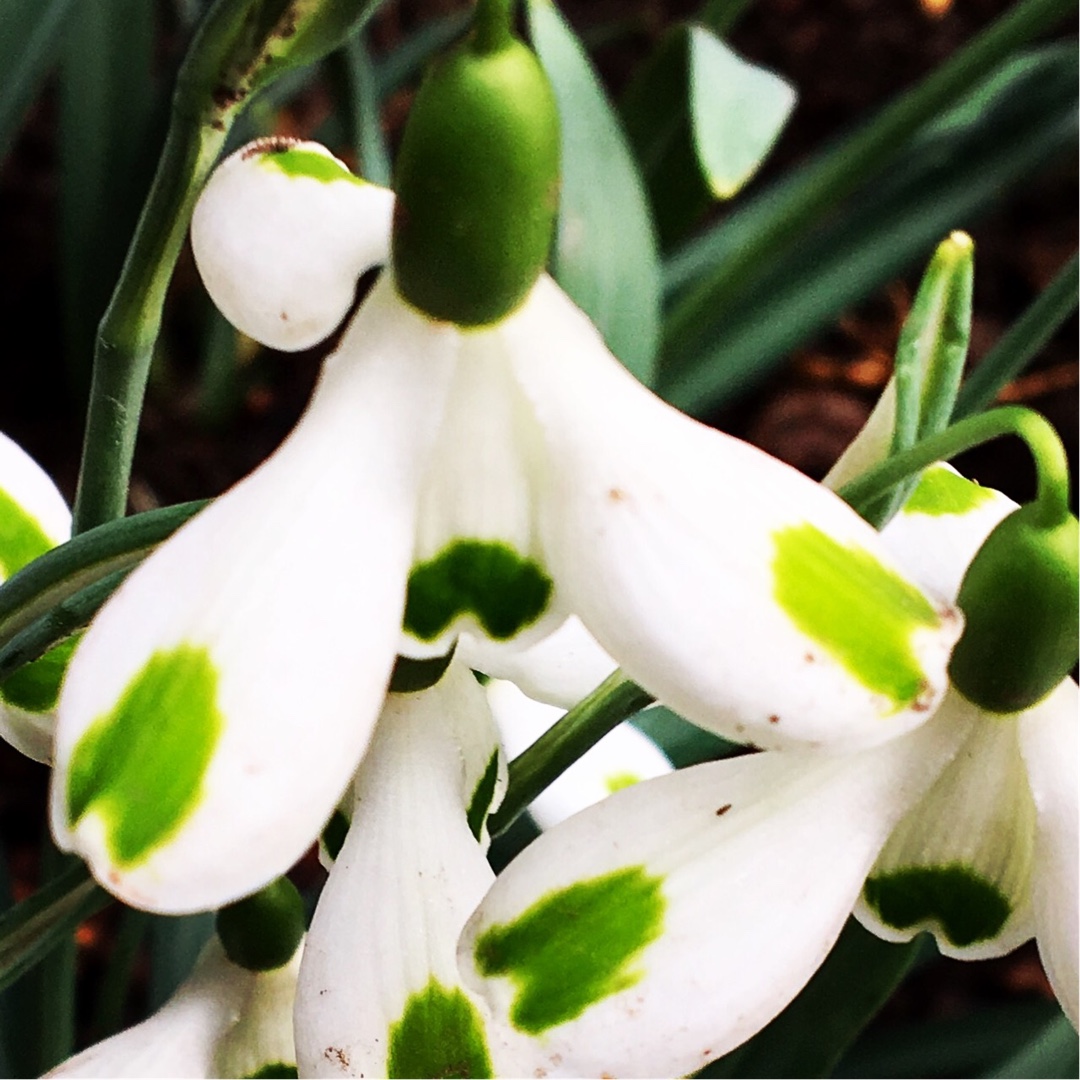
{"points": [[446, 481], [224, 1021], [33, 519]]}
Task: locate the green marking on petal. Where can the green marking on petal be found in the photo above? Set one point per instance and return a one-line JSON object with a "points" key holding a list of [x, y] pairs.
{"points": [[574, 946], [618, 781], [22, 539], [36, 686], [296, 161], [480, 802], [275, 1070], [141, 766], [966, 906], [505, 591], [860, 612], [440, 1034], [940, 491]]}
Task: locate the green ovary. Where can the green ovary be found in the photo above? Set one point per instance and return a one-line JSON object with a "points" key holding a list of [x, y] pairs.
{"points": [[575, 946], [488, 579], [860, 612], [141, 766], [440, 1034], [940, 491], [966, 906]]}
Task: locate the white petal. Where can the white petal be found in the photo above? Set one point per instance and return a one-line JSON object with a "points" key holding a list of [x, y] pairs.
{"points": [[478, 563], [1048, 739], [624, 756], [713, 893], [384, 935], [942, 525], [960, 862], [563, 668], [280, 250], [220, 1006], [680, 548], [258, 640]]}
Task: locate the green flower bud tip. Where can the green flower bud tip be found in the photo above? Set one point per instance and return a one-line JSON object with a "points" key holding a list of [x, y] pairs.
{"points": [[477, 182], [262, 931], [1019, 598]]}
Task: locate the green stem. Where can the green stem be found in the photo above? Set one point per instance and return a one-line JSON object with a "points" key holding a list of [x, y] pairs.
{"points": [[862, 156], [493, 26], [1024, 339], [1051, 463], [564, 742]]}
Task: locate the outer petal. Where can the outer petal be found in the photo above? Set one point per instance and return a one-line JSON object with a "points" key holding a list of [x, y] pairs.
{"points": [[223, 1021], [218, 705], [960, 862], [281, 234], [740, 593], [380, 993], [478, 563], [624, 756], [662, 927], [942, 525], [1048, 739], [33, 519], [560, 670]]}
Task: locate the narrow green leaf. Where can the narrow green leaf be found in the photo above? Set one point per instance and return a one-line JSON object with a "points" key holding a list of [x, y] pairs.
{"points": [[175, 944], [952, 172], [1024, 340], [408, 60], [810, 1035], [363, 112], [1051, 1053], [605, 251], [31, 929], [109, 121], [684, 743], [30, 34]]}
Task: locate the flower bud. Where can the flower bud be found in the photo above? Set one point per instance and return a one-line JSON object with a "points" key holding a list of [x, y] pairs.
{"points": [[477, 183], [262, 931], [1019, 598]]}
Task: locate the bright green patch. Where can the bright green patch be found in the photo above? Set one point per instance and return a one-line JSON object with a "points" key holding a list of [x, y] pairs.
{"points": [[36, 686], [941, 491], [275, 1070], [575, 946], [141, 766], [299, 162], [966, 906], [618, 781], [21, 538], [505, 591], [480, 802], [439, 1034], [856, 609]]}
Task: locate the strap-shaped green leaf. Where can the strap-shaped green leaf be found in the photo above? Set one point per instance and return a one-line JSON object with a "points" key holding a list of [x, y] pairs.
{"points": [[605, 250]]}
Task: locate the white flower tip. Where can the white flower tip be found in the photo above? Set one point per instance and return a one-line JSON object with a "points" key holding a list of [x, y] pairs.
{"points": [[281, 233]]}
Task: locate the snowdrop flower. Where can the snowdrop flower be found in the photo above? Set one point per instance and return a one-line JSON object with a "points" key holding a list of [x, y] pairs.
{"points": [[33, 519], [223, 1021], [483, 471]]}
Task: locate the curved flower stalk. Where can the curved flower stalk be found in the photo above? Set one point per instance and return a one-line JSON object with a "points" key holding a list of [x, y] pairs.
{"points": [[33, 519], [224, 1021], [624, 756], [490, 480]]}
